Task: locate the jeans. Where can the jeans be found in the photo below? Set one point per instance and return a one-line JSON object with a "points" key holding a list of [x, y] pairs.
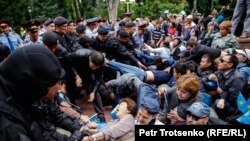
{"points": [[147, 59], [132, 81], [123, 68]]}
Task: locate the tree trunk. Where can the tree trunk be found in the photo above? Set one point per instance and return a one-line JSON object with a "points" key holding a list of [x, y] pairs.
{"points": [[79, 7], [212, 5], [99, 7], [195, 5], [112, 9], [76, 7]]}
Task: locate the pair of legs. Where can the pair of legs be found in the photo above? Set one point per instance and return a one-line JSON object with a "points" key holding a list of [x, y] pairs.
{"points": [[153, 77], [241, 7]]}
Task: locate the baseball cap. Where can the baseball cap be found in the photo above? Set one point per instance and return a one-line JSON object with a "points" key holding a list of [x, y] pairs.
{"points": [[245, 52], [199, 109], [151, 104], [211, 86]]}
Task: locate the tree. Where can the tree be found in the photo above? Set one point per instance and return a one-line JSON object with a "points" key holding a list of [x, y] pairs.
{"points": [[15, 11], [42, 9], [112, 6]]}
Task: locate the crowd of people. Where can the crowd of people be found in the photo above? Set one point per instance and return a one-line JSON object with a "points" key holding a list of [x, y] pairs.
{"points": [[175, 70]]}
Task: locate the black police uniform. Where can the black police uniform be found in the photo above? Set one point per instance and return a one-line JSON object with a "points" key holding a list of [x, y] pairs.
{"points": [[49, 116], [38, 71]]}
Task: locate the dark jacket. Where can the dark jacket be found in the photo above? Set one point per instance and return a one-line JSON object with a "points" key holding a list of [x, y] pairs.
{"points": [[147, 36], [69, 42], [25, 77], [176, 53], [200, 50], [203, 73], [115, 50], [49, 116], [172, 101], [91, 79], [63, 57], [231, 84]]}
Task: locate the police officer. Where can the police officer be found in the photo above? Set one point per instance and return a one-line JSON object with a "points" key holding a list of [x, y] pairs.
{"points": [[90, 66], [130, 28], [126, 19], [91, 27], [49, 25], [113, 48], [80, 30], [72, 80], [65, 39], [37, 77], [33, 37], [8, 37]]}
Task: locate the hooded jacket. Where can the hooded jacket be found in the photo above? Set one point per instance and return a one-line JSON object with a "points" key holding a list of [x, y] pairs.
{"points": [[25, 76]]}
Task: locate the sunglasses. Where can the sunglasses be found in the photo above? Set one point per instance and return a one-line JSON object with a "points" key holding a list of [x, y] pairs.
{"points": [[222, 61]]}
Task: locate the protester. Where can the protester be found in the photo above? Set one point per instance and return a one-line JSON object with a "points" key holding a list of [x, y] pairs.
{"points": [[199, 114], [121, 129], [148, 111]]}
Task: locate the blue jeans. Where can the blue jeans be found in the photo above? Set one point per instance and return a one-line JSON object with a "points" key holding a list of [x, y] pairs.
{"points": [[123, 68], [145, 58]]}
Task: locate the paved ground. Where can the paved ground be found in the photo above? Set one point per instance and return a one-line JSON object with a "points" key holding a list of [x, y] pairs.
{"points": [[88, 109]]}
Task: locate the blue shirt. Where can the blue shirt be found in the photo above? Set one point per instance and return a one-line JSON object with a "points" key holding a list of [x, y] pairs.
{"points": [[14, 38], [39, 41], [139, 40]]}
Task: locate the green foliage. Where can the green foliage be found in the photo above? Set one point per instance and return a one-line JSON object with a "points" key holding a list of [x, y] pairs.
{"points": [[155, 8], [16, 11], [42, 9]]}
